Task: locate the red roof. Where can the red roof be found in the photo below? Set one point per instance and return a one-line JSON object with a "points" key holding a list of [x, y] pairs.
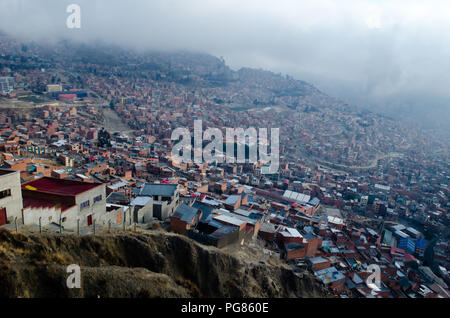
{"points": [[409, 258], [396, 250], [59, 186], [39, 204]]}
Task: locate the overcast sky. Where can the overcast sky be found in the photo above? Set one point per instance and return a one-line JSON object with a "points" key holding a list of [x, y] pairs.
{"points": [[368, 49]]}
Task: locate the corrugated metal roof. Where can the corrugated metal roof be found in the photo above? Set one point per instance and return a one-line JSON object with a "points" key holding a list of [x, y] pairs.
{"points": [[242, 212], [229, 220], [291, 232], [161, 189], [232, 199], [141, 201], [299, 197], [185, 212]]}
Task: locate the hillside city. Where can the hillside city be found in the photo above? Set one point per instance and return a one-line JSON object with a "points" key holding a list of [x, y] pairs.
{"points": [[85, 144]]}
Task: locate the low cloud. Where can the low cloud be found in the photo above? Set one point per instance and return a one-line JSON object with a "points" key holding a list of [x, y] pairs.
{"points": [[366, 50]]}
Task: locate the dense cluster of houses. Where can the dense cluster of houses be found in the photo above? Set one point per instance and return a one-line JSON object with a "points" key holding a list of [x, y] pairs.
{"points": [[61, 169]]}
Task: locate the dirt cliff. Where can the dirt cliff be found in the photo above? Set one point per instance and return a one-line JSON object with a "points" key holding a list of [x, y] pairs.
{"points": [[150, 264]]}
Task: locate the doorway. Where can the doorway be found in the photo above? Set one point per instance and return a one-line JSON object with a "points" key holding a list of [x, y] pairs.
{"points": [[3, 217]]}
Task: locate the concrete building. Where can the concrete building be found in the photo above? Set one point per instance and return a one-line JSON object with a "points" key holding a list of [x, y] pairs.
{"points": [[10, 196], [66, 201], [6, 85], [166, 198], [142, 209], [54, 88]]}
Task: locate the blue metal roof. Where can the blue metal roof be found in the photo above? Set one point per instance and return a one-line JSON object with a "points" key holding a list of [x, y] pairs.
{"points": [[166, 190], [206, 209], [185, 212]]}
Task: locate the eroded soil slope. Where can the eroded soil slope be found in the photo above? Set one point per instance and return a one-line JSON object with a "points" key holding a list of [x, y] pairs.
{"points": [[153, 264]]}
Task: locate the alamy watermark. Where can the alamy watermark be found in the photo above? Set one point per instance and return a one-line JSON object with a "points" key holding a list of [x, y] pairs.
{"points": [[238, 143], [74, 279], [74, 19], [373, 281]]}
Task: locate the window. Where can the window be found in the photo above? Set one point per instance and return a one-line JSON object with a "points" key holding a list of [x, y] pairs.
{"points": [[98, 198], [5, 193], [84, 205]]}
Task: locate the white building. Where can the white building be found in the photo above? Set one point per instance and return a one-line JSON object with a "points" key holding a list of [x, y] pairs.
{"points": [[6, 85], [70, 202], [10, 196]]}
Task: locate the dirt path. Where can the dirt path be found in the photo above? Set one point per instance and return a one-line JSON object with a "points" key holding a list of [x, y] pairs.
{"points": [[113, 123]]}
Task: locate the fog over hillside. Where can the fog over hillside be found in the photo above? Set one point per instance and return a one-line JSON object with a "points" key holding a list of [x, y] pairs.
{"points": [[389, 56]]}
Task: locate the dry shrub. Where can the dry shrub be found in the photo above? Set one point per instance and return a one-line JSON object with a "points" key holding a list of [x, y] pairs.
{"points": [[59, 258], [194, 290], [4, 249], [7, 250], [156, 226]]}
